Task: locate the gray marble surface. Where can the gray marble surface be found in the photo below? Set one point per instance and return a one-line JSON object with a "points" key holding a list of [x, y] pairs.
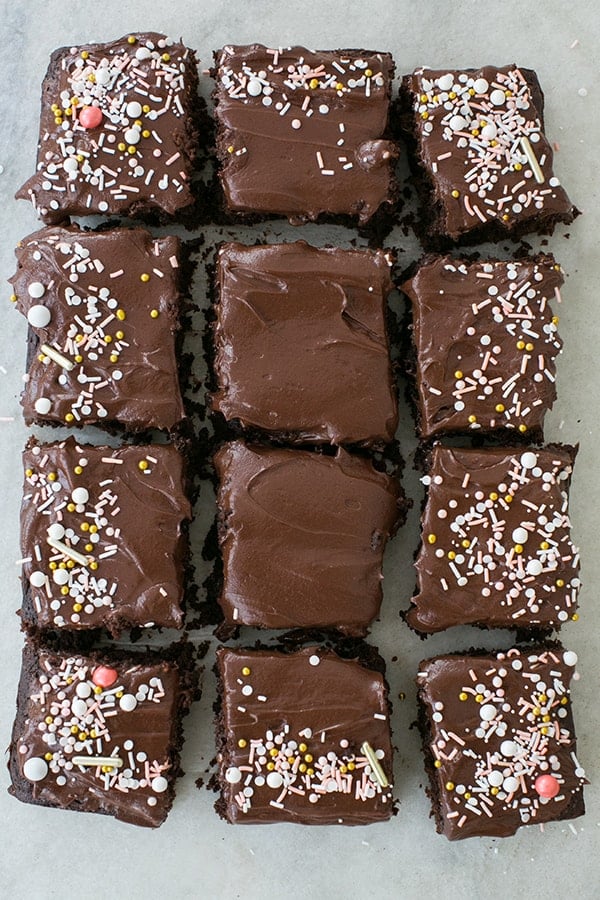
{"points": [[47, 853]]}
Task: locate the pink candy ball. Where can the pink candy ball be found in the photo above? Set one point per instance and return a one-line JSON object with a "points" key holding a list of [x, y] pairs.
{"points": [[104, 677], [547, 786], [90, 116]]}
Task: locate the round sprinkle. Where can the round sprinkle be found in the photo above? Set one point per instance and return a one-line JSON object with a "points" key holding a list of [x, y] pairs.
{"points": [[134, 109], [144, 277], [79, 708], [445, 82], [510, 784], [36, 290], [159, 784], [104, 677], [547, 786], [80, 495], [128, 703], [254, 87], [83, 689], [314, 660], [56, 531], [497, 97], [487, 711], [37, 579], [90, 117], [495, 779], [296, 123], [39, 316], [520, 535], [508, 748], [247, 690], [60, 576], [42, 406], [528, 460], [132, 136], [458, 123], [534, 567], [323, 109], [233, 775], [570, 658], [142, 53], [480, 85], [274, 780], [154, 314], [35, 768]]}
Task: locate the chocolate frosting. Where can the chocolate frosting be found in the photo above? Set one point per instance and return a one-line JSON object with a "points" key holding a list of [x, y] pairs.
{"points": [[486, 342], [135, 719], [124, 512], [139, 157], [496, 547], [480, 139], [301, 348], [291, 729], [303, 133], [302, 537], [496, 723], [110, 303]]}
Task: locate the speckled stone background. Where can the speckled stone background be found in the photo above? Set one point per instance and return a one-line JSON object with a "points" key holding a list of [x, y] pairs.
{"points": [[46, 853]]}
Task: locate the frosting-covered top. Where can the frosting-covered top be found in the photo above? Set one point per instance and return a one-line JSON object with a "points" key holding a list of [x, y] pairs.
{"points": [[293, 741], [101, 536], [300, 342], [302, 537], [486, 342], [117, 134], [481, 140], [301, 133], [502, 740], [496, 540], [104, 309]]}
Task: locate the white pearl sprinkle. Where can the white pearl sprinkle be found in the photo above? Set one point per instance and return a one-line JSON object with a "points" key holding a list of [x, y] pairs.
{"points": [[36, 290], [233, 775], [570, 658], [80, 495], [314, 660], [42, 406], [134, 109], [35, 768]]}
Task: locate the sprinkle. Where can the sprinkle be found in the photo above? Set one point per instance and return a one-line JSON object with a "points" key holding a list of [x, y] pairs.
{"points": [[380, 775]]}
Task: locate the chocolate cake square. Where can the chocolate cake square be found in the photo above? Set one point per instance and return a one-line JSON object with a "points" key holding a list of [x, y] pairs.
{"points": [[103, 536], [304, 134], [119, 131], [485, 343], [302, 537], [301, 350], [100, 733], [484, 165], [496, 545], [499, 740], [104, 312], [302, 737]]}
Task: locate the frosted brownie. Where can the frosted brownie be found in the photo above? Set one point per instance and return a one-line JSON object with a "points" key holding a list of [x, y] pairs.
{"points": [[499, 740], [104, 312], [496, 546], [484, 164], [101, 733], [302, 737], [119, 131], [302, 537], [103, 536], [301, 350], [304, 134], [485, 341]]}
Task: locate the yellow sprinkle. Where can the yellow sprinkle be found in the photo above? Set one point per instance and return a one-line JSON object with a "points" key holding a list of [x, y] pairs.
{"points": [[121, 315], [575, 617], [351, 767], [93, 733], [479, 698], [310, 771], [499, 407], [53, 566], [270, 766], [144, 277], [138, 122], [13, 298], [247, 671], [143, 464], [564, 701], [452, 95], [456, 194], [518, 166], [303, 767], [472, 419], [231, 148], [508, 498], [529, 347], [544, 545], [314, 83], [154, 314], [555, 320], [61, 565], [472, 92], [368, 73], [450, 786], [93, 565], [145, 108], [119, 694], [458, 374], [85, 526], [91, 77], [423, 98], [29, 472], [308, 758], [119, 335], [166, 57], [339, 86], [466, 544], [64, 590], [505, 217], [560, 583], [79, 358], [522, 428], [131, 149], [70, 564], [80, 158], [467, 795], [49, 720], [493, 495], [520, 345], [70, 506], [242, 743], [58, 121], [131, 39], [494, 791], [93, 529], [438, 764], [77, 607], [47, 757], [425, 114], [74, 729], [114, 358], [97, 689], [145, 133], [78, 470], [108, 339], [462, 696], [431, 538], [518, 548], [122, 147], [451, 554], [544, 730], [88, 548]]}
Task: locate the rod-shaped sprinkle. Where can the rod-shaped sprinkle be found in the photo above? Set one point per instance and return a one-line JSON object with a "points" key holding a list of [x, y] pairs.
{"points": [[68, 551], [57, 357], [378, 772], [532, 160], [94, 761]]}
